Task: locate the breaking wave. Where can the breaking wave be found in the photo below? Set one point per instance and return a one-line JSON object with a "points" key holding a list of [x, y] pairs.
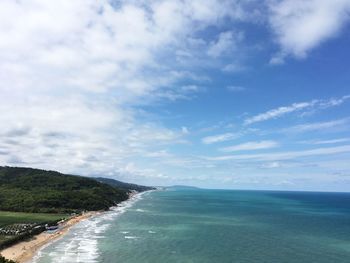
{"points": [[80, 244]]}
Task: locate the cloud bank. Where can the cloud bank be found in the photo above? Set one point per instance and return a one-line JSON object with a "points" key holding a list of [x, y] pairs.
{"points": [[300, 26]]}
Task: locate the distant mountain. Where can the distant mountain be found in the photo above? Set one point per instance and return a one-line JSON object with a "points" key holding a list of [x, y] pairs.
{"points": [[182, 187], [122, 185], [35, 190]]}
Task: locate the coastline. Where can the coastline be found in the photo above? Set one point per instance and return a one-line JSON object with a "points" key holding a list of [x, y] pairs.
{"points": [[24, 251]]}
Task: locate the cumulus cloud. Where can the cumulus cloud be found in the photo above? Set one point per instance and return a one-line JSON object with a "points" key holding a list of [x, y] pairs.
{"points": [[226, 42], [131, 170], [74, 135], [74, 72], [300, 26], [97, 46]]}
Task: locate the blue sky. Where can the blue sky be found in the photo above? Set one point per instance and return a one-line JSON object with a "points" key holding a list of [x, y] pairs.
{"points": [[219, 94]]}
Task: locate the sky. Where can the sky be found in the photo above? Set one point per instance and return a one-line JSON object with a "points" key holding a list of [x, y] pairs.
{"points": [[230, 94]]}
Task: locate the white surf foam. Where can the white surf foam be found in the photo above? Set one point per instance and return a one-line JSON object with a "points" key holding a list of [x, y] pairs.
{"points": [[131, 237], [81, 243]]}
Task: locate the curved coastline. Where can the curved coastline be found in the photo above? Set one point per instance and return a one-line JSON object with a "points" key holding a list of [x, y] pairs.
{"points": [[26, 251]]}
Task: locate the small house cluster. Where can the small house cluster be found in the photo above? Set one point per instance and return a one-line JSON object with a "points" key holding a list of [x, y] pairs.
{"points": [[16, 229]]}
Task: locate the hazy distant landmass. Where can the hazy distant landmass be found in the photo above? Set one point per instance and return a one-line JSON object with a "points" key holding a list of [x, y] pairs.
{"points": [[182, 187], [122, 185], [35, 190]]}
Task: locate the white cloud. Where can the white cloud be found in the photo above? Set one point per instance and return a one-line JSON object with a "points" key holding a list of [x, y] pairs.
{"points": [[271, 165], [301, 25], [248, 146], [333, 141], [131, 170], [275, 113], [94, 46], [282, 155], [187, 92], [190, 88], [75, 135], [334, 102], [158, 154], [219, 138], [226, 43], [317, 126], [313, 105], [73, 73], [233, 68]]}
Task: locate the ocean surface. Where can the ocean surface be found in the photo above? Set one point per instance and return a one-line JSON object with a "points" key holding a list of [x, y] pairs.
{"points": [[213, 226]]}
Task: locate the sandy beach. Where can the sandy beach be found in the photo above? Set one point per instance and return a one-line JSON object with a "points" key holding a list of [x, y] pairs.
{"points": [[25, 250]]}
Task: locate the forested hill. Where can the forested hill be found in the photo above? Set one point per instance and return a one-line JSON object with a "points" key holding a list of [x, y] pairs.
{"points": [[34, 190], [122, 185]]}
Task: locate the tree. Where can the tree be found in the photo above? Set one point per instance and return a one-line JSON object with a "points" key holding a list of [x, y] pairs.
{"points": [[4, 260]]}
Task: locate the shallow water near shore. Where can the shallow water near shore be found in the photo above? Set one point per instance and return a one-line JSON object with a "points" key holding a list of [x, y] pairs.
{"points": [[213, 226]]}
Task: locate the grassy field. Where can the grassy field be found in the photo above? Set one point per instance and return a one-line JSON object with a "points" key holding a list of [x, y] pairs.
{"points": [[8, 218]]}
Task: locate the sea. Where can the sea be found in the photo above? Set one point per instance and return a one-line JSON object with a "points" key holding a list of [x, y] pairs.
{"points": [[205, 226]]}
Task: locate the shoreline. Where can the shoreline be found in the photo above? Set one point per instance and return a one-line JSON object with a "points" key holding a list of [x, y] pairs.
{"points": [[24, 251]]}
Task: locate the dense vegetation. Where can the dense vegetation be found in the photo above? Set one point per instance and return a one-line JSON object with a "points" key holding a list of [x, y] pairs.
{"points": [[8, 218], [11, 219], [34, 190], [7, 241], [4, 260], [122, 185]]}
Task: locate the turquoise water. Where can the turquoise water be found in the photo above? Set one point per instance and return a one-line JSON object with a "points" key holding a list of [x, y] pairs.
{"points": [[213, 226]]}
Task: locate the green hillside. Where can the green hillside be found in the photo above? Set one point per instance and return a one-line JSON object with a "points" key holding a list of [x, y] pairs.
{"points": [[34, 190]]}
